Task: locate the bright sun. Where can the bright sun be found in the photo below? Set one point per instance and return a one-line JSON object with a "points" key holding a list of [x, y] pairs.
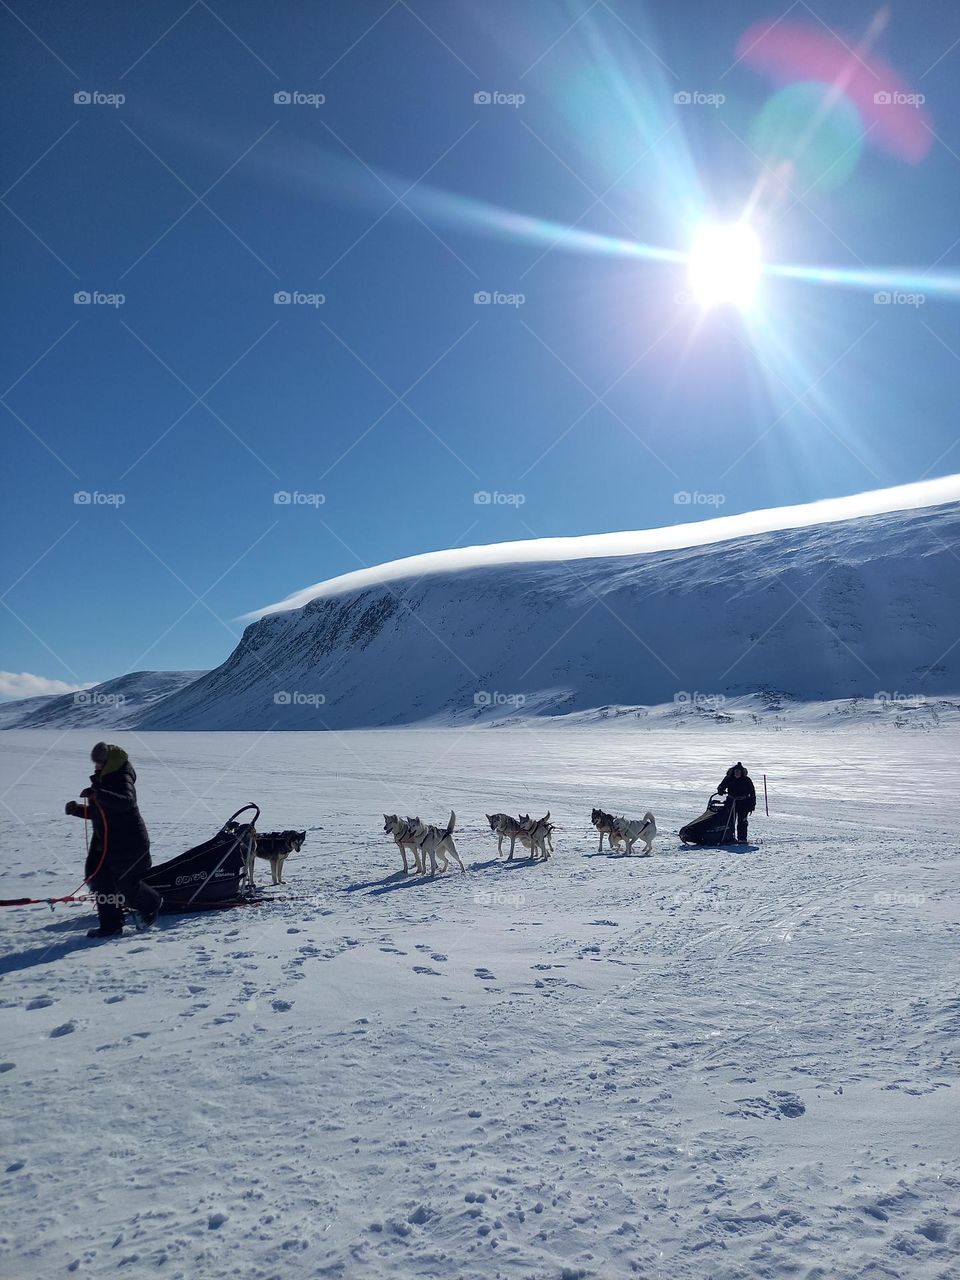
{"points": [[725, 265]]}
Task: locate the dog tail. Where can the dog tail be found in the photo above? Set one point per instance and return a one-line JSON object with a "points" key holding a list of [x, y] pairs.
{"points": [[450, 825]]}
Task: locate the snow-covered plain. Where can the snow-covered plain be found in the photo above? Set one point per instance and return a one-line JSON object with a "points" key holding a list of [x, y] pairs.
{"points": [[709, 1063]]}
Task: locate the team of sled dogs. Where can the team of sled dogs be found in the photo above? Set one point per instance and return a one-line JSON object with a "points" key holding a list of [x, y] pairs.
{"points": [[413, 836], [425, 842]]}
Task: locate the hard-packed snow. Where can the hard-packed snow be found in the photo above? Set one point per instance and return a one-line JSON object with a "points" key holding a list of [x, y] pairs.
{"points": [[708, 1063]]}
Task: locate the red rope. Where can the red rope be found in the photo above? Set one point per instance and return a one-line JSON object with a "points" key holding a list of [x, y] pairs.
{"points": [[71, 897]]}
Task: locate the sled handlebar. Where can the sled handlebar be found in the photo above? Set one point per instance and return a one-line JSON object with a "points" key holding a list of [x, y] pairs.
{"points": [[244, 809]]}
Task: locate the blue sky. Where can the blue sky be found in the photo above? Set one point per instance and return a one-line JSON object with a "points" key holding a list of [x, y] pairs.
{"points": [[587, 407]]}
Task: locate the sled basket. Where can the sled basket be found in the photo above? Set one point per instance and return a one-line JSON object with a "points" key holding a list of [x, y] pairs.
{"points": [[714, 826], [211, 874]]}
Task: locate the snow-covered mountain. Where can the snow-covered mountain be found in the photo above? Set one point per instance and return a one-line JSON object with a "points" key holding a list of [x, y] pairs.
{"points": [[112, 704], [863, 608]]}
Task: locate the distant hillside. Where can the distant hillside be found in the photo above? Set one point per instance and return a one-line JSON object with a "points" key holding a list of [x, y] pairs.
{"points": [[864, 608], [112, 704]]}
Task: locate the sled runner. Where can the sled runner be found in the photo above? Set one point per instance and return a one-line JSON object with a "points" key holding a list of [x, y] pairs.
{"points": [[212, 874], [716, 825]]}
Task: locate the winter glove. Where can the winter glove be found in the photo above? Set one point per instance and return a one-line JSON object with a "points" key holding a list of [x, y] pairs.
{"points": [[87, 793], [73, 810]]}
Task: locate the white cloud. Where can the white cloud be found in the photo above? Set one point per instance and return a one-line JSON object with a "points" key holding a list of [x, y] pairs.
{"points": [[906, 497], [22, 684]]}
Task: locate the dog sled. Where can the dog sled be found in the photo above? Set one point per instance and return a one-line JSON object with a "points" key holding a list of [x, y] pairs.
{"points": [[716, 825], [213, 874]]}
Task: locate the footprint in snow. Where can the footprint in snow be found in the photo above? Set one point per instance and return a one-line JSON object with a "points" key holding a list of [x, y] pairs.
{"points": [[422, 968], [64, 1029], [439, 957], [40, 1002], [114, 999], [281, 1006], [6, 1066], [393, 951], [15, 1167], [485, 975]]}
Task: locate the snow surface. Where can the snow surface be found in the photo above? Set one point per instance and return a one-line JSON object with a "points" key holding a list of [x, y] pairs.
{"points": [[705, 1064], [865, 609]]}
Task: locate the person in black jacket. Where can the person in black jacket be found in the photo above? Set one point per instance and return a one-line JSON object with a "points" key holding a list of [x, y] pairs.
{"points": [[738, 785], [119, 853]]}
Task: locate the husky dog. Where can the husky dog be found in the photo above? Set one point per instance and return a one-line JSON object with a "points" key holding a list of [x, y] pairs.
{"points": [[606, 825], [437, 842], [501, 824], [630, 830], [275, 847], [403, 831], [536, 834]]}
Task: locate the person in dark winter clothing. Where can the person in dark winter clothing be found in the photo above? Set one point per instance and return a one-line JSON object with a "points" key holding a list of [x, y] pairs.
{"points": [[738, 785], [119, 853]]}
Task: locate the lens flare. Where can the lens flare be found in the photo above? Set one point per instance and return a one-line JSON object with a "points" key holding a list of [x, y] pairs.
{"points": [[725, 265]]}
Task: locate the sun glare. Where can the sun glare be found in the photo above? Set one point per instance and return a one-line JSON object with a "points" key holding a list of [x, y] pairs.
{"points": [[725, 265]]}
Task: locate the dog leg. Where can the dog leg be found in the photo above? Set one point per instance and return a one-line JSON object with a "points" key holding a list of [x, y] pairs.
{"points": [[513, 845], [453, 850]]}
